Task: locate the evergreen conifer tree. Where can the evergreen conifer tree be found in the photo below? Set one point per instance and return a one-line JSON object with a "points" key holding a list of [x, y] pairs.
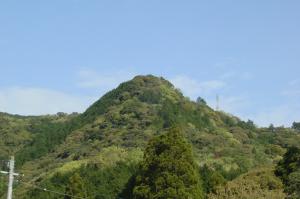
{"points": [[168, 170]]}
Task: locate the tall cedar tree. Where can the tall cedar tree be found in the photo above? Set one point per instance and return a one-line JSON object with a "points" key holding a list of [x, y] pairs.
{"points": [[168, 170]]}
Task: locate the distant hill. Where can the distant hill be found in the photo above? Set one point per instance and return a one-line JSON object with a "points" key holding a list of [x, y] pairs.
{"points": [[111, 135]]}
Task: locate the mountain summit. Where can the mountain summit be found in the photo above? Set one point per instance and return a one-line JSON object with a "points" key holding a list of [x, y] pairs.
{"points": [[146, 89]]}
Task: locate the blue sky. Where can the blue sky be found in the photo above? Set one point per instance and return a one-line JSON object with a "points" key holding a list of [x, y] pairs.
{"points": [[63, 55]]}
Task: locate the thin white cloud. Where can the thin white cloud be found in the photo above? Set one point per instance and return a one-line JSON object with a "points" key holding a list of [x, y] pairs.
{"points": [[294, 82], [237, 75], [194, 88], [39, 101]]}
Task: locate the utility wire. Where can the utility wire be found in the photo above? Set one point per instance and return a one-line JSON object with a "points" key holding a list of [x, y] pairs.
{"points": [[50, 191], [58, 184]]}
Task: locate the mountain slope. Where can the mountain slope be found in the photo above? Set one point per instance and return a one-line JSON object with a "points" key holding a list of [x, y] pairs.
{"points": [[18, 131], [123, 120]]}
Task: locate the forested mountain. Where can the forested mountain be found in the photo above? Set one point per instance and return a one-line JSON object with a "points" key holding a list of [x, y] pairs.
{"points": [[97, 154]]}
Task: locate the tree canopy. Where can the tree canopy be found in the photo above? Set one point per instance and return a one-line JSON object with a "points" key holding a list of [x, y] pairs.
{"points": [[168, 170]]}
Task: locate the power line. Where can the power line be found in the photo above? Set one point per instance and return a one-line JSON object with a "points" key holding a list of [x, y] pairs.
{"points": [[93, 194], [11, 174], [58, 184], [50, 191]]}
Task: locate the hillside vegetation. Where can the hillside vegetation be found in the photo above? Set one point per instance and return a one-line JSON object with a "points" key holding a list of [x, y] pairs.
{"points": [[259, 183], [96, 154]]}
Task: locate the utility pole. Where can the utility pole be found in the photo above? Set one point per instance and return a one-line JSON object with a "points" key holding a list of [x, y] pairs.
{"points": [[11, 175]]}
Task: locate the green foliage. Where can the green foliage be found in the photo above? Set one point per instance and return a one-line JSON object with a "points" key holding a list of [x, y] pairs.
{"points": [[169, 114], [94, 182], [14, 134], [201, 101], [288, 169], [293, 185], [127, 118], [230, 174], [75, 187], [151, 96], [32, 136], [259, 183], [296, 126], [3, 184], [105, 176], [249, 124], [211, 179], [274, 150], [168, 170], [290, 163], [47, 135]]}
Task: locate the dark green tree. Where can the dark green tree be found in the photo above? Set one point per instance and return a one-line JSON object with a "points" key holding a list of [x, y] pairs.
{"points": [[201, 101], [289, 163], [296, 126], [272, 128], [288, 169], [250, 124], [168, 170]]}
